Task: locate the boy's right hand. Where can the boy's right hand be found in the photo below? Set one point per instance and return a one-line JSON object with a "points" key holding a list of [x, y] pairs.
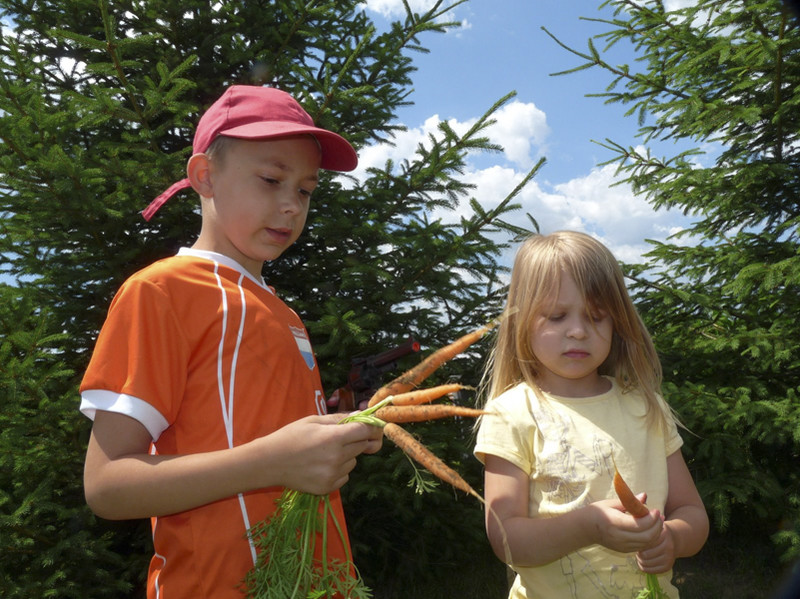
{"points": [[315, 454], [619, 531]]}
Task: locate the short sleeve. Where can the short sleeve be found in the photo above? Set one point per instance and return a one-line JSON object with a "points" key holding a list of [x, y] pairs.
{"points": [[139, 363], [507, 431], [673, 440]]}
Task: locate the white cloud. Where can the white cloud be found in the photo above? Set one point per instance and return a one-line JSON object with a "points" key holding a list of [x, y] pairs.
{"points": [[520, 128], [394, 9], [590, 203], [405, 146], [671, 5]]}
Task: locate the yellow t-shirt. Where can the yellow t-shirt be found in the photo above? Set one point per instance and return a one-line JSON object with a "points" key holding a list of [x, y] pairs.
{"points": [[565, 446]]}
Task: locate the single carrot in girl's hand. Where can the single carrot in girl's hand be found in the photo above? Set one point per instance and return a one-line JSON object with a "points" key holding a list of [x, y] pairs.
{"points": [[426, 412], [413, 377], [629, 501]]}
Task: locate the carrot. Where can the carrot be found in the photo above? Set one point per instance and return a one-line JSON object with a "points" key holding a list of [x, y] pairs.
{"points": [[629, 501], [425, 457], [421, 396], [413, 377], [428, 412]]}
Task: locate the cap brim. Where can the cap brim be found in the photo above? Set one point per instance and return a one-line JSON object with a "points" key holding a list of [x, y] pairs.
{"points": [[337, 153]]}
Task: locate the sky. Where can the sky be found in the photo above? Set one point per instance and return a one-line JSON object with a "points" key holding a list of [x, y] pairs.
{"points": [[499, 48]]}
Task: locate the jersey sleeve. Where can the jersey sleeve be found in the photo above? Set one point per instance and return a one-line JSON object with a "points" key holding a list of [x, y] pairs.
{"points": [[139, 363]]}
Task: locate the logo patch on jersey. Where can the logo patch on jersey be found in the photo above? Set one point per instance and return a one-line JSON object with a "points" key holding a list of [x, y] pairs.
{"points": [[304, 345]]}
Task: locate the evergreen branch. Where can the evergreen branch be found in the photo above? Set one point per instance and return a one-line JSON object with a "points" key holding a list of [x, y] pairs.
{"points": [[623, 72], [111, 47]]}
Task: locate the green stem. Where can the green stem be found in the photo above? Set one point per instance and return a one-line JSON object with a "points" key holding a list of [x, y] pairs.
{"points": [[326, 504]]}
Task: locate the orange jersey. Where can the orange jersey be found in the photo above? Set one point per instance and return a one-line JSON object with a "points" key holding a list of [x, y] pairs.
{"points": [[206, 357]]}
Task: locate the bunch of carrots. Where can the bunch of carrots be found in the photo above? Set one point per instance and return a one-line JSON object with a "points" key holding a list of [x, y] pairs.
{"points": [[286, 567]]}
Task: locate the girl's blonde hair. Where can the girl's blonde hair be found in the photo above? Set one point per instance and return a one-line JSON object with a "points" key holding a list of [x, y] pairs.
{"points": [[535, 279]]}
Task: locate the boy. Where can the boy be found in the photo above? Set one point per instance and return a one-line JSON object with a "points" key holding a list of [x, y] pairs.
{"points": [[203, 388]]}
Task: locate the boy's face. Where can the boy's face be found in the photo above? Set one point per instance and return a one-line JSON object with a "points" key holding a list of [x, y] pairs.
{"points": [[258, 198]]}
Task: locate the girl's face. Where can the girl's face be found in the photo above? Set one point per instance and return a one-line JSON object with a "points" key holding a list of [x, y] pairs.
{"points": [[571, 341]]}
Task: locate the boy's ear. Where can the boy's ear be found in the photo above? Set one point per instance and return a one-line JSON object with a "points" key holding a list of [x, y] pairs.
{"points": [[198, 171]]}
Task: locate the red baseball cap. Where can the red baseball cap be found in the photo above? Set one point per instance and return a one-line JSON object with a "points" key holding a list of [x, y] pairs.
{"points": [[257, 113]]}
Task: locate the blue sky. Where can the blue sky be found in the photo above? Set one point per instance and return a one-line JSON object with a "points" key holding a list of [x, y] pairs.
{"points": [[500, 48]]}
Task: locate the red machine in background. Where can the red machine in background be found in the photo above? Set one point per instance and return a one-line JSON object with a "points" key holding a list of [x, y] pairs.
{"points": [[365, 377]]}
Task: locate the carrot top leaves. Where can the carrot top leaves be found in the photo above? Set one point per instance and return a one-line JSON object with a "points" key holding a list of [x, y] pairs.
{"points": [[286, 544]]}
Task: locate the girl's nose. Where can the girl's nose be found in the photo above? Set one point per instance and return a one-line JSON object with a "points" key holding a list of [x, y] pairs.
{"points": [[576, 330]]}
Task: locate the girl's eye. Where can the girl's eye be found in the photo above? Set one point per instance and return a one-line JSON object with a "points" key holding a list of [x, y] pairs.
{"points": [[270, 180], [556, 317], [305, 192]]}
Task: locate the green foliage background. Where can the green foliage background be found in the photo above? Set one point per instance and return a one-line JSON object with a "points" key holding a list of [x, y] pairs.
{"points": [[97, 106]]}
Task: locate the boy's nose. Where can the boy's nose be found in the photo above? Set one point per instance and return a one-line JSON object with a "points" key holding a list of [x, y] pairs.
{"points": [[291, 202]]}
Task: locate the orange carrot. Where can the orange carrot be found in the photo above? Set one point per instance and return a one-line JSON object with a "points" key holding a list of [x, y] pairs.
{"points": [[629, 501], [421, 396], [425, 457], [413, 377], [427, 412]]}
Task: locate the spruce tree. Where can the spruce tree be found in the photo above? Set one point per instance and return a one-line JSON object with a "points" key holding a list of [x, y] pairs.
{"points": [[98, 103], [720, 80]]}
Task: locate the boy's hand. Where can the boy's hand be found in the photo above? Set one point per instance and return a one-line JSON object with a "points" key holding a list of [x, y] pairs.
{"points": [[316, 454], [619, 531]]}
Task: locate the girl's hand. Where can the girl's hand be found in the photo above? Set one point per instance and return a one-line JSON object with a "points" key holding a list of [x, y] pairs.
{"points": [[661, 556], [619, 531]]}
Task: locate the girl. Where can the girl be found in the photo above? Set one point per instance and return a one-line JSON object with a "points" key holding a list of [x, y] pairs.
{"points": [[574, 384]]}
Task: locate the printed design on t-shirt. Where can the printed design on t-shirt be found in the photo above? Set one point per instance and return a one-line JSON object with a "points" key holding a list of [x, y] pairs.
{"points": [[569, 459], [564, 469], [304, 345], [615, 587]]}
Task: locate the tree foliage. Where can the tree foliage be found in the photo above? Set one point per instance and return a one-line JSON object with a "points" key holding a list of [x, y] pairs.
{"points": [[721, 296], [98, 101]]}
